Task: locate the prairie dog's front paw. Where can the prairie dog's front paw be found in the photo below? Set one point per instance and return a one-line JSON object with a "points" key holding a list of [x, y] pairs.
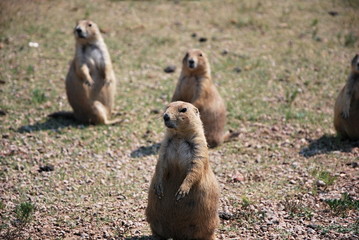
{"points": [[182, 192], [158, 190], [89, 83], [108, 81], [345, 113]]}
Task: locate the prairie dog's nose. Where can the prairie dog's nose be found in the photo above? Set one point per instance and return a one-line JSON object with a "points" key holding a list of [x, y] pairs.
{"points": [[78, 30], [191, 61], [166, 117]]}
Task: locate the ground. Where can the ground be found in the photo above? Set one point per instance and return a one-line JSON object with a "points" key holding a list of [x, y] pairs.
{"points": [[279, 65]]}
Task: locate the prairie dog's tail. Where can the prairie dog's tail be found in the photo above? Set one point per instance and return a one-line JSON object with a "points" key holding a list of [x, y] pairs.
{"points": [[230, 136], [62, 114]]}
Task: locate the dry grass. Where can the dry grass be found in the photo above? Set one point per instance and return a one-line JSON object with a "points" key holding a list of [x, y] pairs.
{"points": [[294, 58]]}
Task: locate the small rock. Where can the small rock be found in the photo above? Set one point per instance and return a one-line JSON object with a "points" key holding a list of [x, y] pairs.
{"points": [[295, 164], [33, 44], [5, 135], [46, 168], [237, 69], [292, 181], [312, 226], [225, 215], [169, 69], [194, 35], [155, 111], [320, 183], [224, 52], [353, 164], [202, 39], [238, 178], [84, 235], [333, 13], [105, 234], [275, 129]]}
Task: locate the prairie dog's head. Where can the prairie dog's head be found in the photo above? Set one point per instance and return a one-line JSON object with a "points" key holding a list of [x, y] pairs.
{"points": [[181, 116], [86, 31], [195, 60], [355, 64]]}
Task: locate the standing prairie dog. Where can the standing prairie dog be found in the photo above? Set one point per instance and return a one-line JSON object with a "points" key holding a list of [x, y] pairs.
{"points": [[183, 197], [346, 110], [195, 86], [91, 82]]}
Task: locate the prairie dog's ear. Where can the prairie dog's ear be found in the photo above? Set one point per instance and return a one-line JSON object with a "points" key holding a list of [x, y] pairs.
{"points": [[104, 30], [185, 57], [355, 59], [196, 111]]}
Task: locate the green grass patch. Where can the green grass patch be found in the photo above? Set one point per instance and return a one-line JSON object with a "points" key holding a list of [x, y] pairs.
{"points": [[38, 96], [344, 204]]}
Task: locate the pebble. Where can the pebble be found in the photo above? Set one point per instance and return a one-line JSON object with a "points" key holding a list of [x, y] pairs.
{"points": [[292, 181], [46, 168], [33, 44], [353, 164], [225, 52], [170, 69], [320, 183], [237, 69], [225, 215]]}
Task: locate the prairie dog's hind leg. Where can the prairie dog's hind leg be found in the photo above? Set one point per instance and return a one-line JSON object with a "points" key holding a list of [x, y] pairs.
{"points": [[102, 114]]}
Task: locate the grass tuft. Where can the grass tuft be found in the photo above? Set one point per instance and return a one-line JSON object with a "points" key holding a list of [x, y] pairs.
{"points": [[24, 212], [350, 39], [38, 96], [342, 205]]}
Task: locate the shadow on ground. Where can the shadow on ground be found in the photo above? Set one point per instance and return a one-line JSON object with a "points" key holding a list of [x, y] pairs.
{"points": [[326, 144], [51, 124], [142, 238], [146, 150]]}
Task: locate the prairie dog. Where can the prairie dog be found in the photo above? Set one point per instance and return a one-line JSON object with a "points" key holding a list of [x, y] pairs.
{"points": [[195, 86], [183, 197], [91, 82], [346, 110]]}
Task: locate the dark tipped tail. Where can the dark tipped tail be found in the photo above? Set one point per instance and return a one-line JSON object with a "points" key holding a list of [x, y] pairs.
{"points": [[231, 136], [62, 114]]}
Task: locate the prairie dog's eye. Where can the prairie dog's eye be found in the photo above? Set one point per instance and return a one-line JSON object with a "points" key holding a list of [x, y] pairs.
{"points": [[183, 110], [90, 25], [200, 55]]}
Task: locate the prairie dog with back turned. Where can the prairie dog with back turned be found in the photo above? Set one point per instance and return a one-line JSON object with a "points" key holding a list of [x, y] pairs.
{"points": [[346, 110]]}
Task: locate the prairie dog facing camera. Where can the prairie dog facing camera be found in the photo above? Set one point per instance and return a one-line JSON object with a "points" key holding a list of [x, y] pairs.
{"points": [[195, 86], [183, 198], [90, 82], [346, 109]]}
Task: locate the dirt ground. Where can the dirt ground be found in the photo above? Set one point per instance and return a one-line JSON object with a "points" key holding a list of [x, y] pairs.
{"points": [[279, 65]]}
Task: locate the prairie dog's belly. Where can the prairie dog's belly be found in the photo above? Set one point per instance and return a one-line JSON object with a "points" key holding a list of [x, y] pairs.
{"points": [[94, 58], [179, 154], [188, 88]]}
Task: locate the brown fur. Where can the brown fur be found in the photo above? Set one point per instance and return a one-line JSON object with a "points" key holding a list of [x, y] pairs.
{"points": [[184, 193], [195, 86], [346, 110], [91, 82]]}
